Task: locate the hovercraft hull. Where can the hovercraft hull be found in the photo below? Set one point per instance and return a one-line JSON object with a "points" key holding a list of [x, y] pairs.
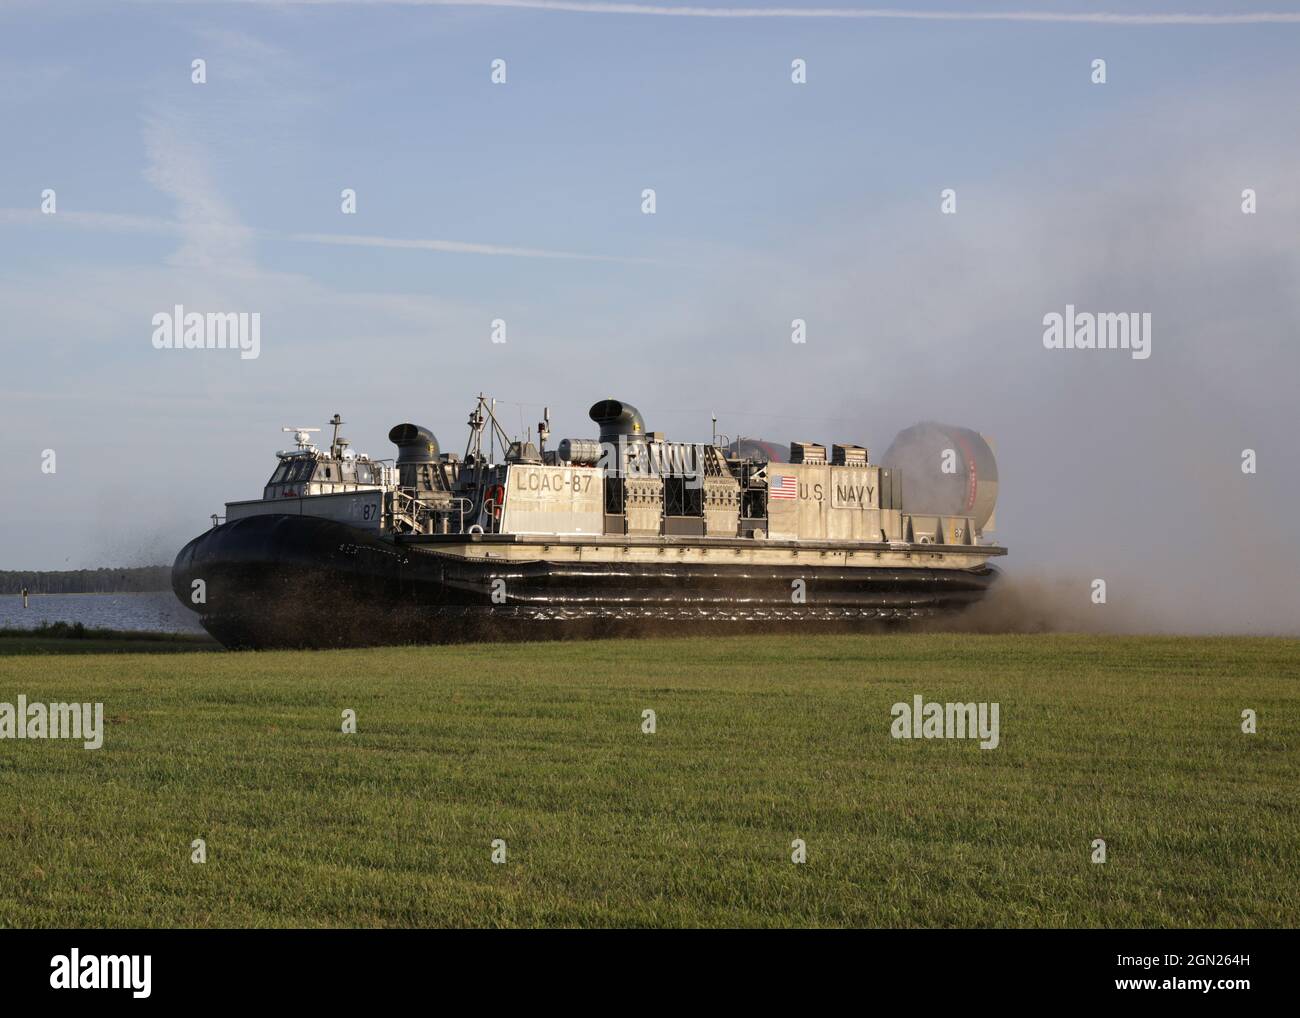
{"points": [[270, 580]]}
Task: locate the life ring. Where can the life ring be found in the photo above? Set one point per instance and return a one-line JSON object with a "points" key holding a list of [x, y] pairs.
{"points": [[492, 499]]}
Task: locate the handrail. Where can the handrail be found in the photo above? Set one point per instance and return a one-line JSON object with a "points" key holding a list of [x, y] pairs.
{"points": [[408, 505], [465, 506]]}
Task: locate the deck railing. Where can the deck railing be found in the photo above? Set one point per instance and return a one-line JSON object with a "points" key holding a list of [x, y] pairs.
{"points": [[410, 514]]}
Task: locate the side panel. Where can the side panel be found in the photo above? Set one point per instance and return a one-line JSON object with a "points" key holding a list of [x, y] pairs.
{"points": [[553, 500], [645, 504], [363, 509], [830, 503], [721, 506], [854, 504], [782, 511], [805, 515]]}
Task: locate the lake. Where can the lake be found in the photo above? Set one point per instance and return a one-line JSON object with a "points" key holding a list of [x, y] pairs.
{"points": [[156, 611]]}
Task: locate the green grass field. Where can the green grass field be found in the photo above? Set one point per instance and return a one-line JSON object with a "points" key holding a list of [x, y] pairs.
{"points": [[1134, 740]]}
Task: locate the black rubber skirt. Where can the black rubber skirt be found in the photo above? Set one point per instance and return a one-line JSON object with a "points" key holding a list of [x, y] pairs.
{"points": [[300, 581]]}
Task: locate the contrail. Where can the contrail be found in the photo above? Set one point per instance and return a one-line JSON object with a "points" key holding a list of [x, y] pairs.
{"points": [[116, 223], [874, 13], [449, 246], [111, 221]]}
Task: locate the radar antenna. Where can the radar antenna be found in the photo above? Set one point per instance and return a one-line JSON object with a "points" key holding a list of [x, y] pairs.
{"points": [[301, 436]]}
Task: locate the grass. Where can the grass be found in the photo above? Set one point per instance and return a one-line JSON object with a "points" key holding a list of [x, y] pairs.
{"points": [[759, 741]]}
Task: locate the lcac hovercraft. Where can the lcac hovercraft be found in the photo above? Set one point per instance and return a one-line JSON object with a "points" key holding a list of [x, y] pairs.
{"points": [[623, 532]]}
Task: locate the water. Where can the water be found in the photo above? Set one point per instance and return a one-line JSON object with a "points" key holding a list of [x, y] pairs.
{"points": [[155, 612]]}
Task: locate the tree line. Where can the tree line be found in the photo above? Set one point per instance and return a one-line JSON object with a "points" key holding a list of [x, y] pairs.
{"points": [[87, 581]]}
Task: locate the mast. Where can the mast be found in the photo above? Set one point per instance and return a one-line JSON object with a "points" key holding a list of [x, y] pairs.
{"points": [[335, 449]]}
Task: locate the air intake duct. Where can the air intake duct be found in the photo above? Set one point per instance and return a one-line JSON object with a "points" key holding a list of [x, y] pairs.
{"points": [[417, 457], [414, 444], [618, 419]]}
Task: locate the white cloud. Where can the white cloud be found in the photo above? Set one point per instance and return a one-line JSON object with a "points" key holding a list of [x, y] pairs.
{"points": [[212, 236]]}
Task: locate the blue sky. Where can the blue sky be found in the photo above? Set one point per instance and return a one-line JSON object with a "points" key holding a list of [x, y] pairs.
{"points": [[775, 201]]}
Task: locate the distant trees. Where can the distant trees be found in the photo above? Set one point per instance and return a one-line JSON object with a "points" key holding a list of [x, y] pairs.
{"points": [[87, 581]]}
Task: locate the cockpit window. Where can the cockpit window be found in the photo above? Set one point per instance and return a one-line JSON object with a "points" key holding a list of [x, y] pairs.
{"points": [[364, 474], [302, 469], [281, 472]]}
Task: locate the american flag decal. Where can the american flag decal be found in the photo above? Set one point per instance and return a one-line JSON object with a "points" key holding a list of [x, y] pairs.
{"points": [[781, 487]]}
